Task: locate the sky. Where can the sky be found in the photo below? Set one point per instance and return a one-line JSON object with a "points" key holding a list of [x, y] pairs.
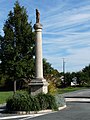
{"points": [[66, 30]]}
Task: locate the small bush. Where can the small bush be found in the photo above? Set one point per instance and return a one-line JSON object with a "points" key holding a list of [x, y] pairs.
{"points": [[60, 101], [52, 102], [22, 102], [19, 102], [26, 102], [42, 98], [47, 101], [35, 104], [52, 88]]}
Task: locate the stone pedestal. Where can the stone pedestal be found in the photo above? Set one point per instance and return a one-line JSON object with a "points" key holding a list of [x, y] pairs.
{"points": [[39, 84]]}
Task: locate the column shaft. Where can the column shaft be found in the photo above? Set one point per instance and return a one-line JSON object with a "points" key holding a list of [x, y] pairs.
{"points": [[39, 62]]}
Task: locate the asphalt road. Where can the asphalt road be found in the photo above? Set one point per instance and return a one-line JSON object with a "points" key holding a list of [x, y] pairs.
{"points": [[74, 111], [85, 93]]}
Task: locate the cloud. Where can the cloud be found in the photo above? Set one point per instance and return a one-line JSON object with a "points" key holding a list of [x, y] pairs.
{"points": [[79, 17], [73, 63], [67, 34]]}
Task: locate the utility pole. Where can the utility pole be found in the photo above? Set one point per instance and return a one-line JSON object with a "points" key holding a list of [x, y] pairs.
{"points": [[63, 65], [64, 71]]}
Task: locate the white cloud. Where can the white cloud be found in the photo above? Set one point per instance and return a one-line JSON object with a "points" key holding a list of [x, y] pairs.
{"points": [[67, 34], [74, 62], [80, 17]]}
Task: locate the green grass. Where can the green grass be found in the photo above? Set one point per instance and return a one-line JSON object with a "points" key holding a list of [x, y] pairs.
{"points": [[69, 89], [4, 96]]}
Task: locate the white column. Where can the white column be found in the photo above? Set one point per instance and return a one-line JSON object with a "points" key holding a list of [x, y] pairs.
{"points": [[38, 56]]}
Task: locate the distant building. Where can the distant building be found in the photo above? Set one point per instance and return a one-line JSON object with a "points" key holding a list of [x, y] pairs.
{"points": [[74, 81]]}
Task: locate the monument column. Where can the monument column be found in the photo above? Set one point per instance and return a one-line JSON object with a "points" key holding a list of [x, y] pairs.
{"points": [[39, 84], [38, 51]]}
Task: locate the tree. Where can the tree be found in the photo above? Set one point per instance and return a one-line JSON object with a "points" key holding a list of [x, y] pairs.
{"points": [[1, 45], [47, 67], [52, 76], [2, 77], [87, 70], [18, 46], [68, 79]]}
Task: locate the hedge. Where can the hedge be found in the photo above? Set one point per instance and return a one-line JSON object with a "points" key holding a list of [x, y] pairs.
{"points": [[26, 102]]}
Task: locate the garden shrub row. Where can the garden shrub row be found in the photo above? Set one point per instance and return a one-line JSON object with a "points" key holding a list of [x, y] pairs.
{"points": [[26, 102]]}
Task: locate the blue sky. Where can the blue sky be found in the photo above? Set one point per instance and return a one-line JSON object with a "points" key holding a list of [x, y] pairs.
{"points": [[66, 29]]}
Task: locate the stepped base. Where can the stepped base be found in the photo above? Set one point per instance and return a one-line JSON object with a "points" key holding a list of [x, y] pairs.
{"points": [[38, 86]]}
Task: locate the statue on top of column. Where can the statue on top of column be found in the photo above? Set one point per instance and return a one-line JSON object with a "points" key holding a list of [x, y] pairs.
{"points": [[37, 16]]}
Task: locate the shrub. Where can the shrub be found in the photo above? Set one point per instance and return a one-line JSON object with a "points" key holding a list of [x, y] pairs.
{"points": [[60, 101], [42, 98], [52, 88], [19, 102], [47, 101], [35, 104], [22, 102], [52, 102], [26, 102]]}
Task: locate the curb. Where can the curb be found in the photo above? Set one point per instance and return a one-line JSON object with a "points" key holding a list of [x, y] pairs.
{"points": [[2, 105], [24, 116], [77, 99], [61, 108], [31, 114]]}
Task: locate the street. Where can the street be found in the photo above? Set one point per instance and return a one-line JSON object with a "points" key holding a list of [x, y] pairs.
{"points": [[74, 111]]}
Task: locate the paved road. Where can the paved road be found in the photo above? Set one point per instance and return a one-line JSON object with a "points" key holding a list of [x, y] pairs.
{"points": [[85, 93], [73, 111]]}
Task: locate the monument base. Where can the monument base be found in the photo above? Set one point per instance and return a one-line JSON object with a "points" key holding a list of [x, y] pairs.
{"points": [[38, 86]]}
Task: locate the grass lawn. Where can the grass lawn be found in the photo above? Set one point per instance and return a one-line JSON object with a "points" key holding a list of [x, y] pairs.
{"points": [[4, 96], [69, 89]]}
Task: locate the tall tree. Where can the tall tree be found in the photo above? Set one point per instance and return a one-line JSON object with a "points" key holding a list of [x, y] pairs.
{"points": [[1, 42], [18, 49]]}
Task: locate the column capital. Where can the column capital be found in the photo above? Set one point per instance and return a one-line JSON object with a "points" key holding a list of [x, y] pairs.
{"points": [[37, 26]]}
